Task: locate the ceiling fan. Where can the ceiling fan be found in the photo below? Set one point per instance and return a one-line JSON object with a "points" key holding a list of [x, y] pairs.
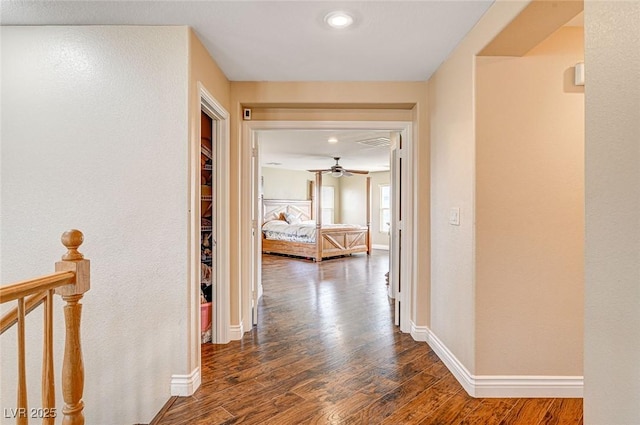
{"points": [[338, 171]]}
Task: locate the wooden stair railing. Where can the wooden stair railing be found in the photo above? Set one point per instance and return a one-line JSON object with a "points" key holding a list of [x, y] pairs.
{"points": [[71, 281]]}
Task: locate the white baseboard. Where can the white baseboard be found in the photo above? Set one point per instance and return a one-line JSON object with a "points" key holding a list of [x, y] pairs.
{"points": [[383, 247], [236, 332], [497, 386], [419, 333], [186, 385], [529, 386]]}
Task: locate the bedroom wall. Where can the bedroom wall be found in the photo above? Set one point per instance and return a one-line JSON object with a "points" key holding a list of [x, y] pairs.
{"points": [[612, 295], [378, 238], [94, 137], [529, 210], [353, 201], [337, 196], [294, 184], [285, 184]]}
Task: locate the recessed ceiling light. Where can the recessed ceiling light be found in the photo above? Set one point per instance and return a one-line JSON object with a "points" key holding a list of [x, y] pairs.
{"points": [[332, 140], [338, 20]]}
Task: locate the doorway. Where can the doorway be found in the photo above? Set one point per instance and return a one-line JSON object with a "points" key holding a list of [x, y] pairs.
{"points": [[209, 218], [251, 203]]}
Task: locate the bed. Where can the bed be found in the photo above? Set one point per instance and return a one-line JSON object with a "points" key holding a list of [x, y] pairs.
{"points": [[290, 227]]}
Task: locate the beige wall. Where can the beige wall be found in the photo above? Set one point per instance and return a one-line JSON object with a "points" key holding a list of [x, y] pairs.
{"points": [[353, 200], [328, 180], [367, 101], [204, 70], [451, 106], [294, 184], [612, 287], [377, 179], [285, 184], [529, 210], [421, 307], [330, 95]]}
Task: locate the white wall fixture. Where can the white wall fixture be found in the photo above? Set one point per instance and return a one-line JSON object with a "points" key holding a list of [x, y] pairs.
{"points": [[454, 216], [579, 74]]}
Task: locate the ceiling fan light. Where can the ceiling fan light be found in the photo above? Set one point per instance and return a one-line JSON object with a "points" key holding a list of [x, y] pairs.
{"points": [[336, 173]]}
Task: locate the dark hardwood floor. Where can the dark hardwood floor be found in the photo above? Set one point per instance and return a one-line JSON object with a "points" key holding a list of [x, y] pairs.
{"points": [[326, 352]]}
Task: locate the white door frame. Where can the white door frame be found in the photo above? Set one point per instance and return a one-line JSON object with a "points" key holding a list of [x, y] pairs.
{"points": [[395, 248], [248, 204], [186, 385], [221, 312]]}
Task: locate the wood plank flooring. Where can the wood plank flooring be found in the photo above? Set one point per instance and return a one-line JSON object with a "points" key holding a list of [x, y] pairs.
{"points": [[326, 352]]}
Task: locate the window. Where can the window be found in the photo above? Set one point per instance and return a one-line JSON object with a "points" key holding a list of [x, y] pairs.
{"points": [[327, 204], [385, 208]]}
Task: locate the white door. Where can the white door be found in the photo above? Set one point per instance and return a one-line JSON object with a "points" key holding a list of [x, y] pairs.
{"points": [[256, 235], [395, 252]]}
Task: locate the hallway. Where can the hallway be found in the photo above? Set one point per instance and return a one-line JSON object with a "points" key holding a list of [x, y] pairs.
{"points": [[326, 352]]}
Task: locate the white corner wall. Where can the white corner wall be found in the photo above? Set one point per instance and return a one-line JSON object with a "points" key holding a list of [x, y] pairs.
{"points": [[612, 263], [94, 137]]}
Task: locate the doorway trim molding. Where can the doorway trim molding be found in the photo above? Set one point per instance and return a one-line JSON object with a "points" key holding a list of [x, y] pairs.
{"points": [[185, 385], [249, 205], [222, 132]]}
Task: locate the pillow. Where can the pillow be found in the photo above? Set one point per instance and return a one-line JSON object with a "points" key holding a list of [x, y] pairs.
{"points": [[292, 219]]}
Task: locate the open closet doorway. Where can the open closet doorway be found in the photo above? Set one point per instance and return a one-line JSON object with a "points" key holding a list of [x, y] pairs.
{"points": [[208, 236], [209, 216], [253, 212]]}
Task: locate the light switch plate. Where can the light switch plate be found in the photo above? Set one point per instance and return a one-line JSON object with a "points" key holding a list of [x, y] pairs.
{"points": [[578, 78], [454, 216]]}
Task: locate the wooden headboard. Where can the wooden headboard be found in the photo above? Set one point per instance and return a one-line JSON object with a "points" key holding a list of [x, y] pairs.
{"points": [[272, 208]]}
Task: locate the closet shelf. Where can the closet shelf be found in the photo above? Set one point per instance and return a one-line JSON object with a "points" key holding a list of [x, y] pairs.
{"points": [[206, 152]]}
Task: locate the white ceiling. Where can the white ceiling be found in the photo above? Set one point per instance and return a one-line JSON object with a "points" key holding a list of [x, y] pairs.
{"points": [[309, 149], [288, 41]]}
